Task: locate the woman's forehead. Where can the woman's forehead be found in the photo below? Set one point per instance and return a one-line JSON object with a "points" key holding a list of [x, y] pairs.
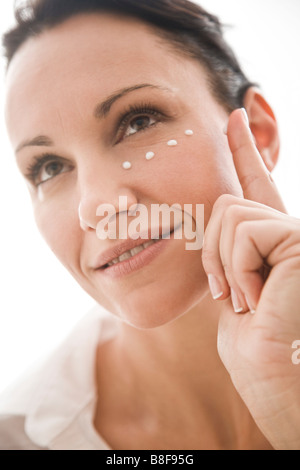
{"points": [[115, 51], [105, 39], [92, 56]]}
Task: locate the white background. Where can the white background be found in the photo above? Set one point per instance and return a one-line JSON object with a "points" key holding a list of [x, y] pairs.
{"points": [[39, 301]]}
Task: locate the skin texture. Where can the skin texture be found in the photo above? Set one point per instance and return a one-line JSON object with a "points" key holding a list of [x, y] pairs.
{"points": [[162, 380]]}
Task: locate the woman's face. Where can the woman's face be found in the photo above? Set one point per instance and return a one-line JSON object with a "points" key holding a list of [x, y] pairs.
{"points": [[55, 84]]}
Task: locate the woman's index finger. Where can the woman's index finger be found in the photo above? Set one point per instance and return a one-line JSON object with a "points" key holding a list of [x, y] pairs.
{"points": [[254, 177]]}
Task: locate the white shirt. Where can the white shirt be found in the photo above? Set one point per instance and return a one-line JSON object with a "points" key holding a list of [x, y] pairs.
{"points": [[53, 406]]}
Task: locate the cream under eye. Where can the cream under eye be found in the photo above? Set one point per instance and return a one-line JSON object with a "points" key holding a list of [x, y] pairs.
{"points": [[45, 168]]}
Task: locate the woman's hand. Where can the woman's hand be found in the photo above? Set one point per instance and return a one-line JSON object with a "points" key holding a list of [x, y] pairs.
{"points": [[251, 254]]}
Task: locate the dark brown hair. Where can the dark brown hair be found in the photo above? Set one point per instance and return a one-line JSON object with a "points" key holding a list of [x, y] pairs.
{"points": [[188, 27]]}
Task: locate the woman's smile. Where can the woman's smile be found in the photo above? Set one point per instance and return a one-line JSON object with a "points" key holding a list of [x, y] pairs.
{"points": [[135, 259]]}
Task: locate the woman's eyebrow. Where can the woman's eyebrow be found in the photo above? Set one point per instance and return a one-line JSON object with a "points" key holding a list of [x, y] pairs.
{"points": [[102, 109], [39, 141], [100, 112]]}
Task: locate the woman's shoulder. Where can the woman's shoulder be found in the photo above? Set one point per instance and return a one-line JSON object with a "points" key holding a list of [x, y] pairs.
{"points": [[44, 401]]}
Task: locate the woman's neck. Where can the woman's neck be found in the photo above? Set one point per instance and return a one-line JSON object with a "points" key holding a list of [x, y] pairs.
{"points": [[170, 381]]}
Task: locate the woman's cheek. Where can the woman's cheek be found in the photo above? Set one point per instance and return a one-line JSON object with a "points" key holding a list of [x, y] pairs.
{"points": [[201, 169], [214, 168], [185, 169]]}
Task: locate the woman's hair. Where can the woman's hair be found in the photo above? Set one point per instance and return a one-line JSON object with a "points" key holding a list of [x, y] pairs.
{"points": [[186, 26]]}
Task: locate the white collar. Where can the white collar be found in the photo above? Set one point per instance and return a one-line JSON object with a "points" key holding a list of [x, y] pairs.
{"points": [[53, 397]]}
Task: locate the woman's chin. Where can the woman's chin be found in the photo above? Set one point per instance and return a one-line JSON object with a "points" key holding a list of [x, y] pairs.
{"points": [[155, 300], [156, 310], [150, 320]]}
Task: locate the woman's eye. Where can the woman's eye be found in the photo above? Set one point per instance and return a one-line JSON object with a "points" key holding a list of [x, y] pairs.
{"points": [[138, 118], [50, 170], [45, 168], [139, 124]]}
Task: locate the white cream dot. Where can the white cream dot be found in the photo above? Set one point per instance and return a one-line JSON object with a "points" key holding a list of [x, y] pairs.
{"points": [[172, 143], [127, 165], [150, 155], [189, 132]]}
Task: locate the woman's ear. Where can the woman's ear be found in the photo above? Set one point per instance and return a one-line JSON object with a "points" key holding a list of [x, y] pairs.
{"points": [[263, 126]]}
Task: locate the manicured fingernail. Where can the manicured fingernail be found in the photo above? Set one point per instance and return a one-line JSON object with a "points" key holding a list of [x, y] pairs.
{"points": [[215, 287], [235, 302], [252, 310], [245, 116]]}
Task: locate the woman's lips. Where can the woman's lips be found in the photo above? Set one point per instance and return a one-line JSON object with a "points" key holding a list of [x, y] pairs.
{"points": [[138, 261]]}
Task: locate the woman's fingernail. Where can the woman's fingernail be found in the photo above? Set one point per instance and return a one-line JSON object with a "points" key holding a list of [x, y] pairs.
{"points": [[215, 287], [252, 310], [245, 116], [236, 302]]}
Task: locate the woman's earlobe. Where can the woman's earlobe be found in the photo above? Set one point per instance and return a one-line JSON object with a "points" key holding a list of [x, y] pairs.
{"points": [[264, 126]]}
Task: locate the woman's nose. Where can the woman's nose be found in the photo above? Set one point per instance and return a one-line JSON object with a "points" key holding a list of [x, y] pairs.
{"points": [[96, 195]]}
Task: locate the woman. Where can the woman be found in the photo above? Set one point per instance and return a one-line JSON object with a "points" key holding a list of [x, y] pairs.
{"points": [[113, 101]]}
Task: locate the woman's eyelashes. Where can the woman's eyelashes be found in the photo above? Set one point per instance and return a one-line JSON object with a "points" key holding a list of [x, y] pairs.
{"points": [[139, 124], [137, 119], [45, 168]]}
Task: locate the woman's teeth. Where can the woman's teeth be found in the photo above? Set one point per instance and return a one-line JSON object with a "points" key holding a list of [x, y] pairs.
{"points": [[131, 253]]}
